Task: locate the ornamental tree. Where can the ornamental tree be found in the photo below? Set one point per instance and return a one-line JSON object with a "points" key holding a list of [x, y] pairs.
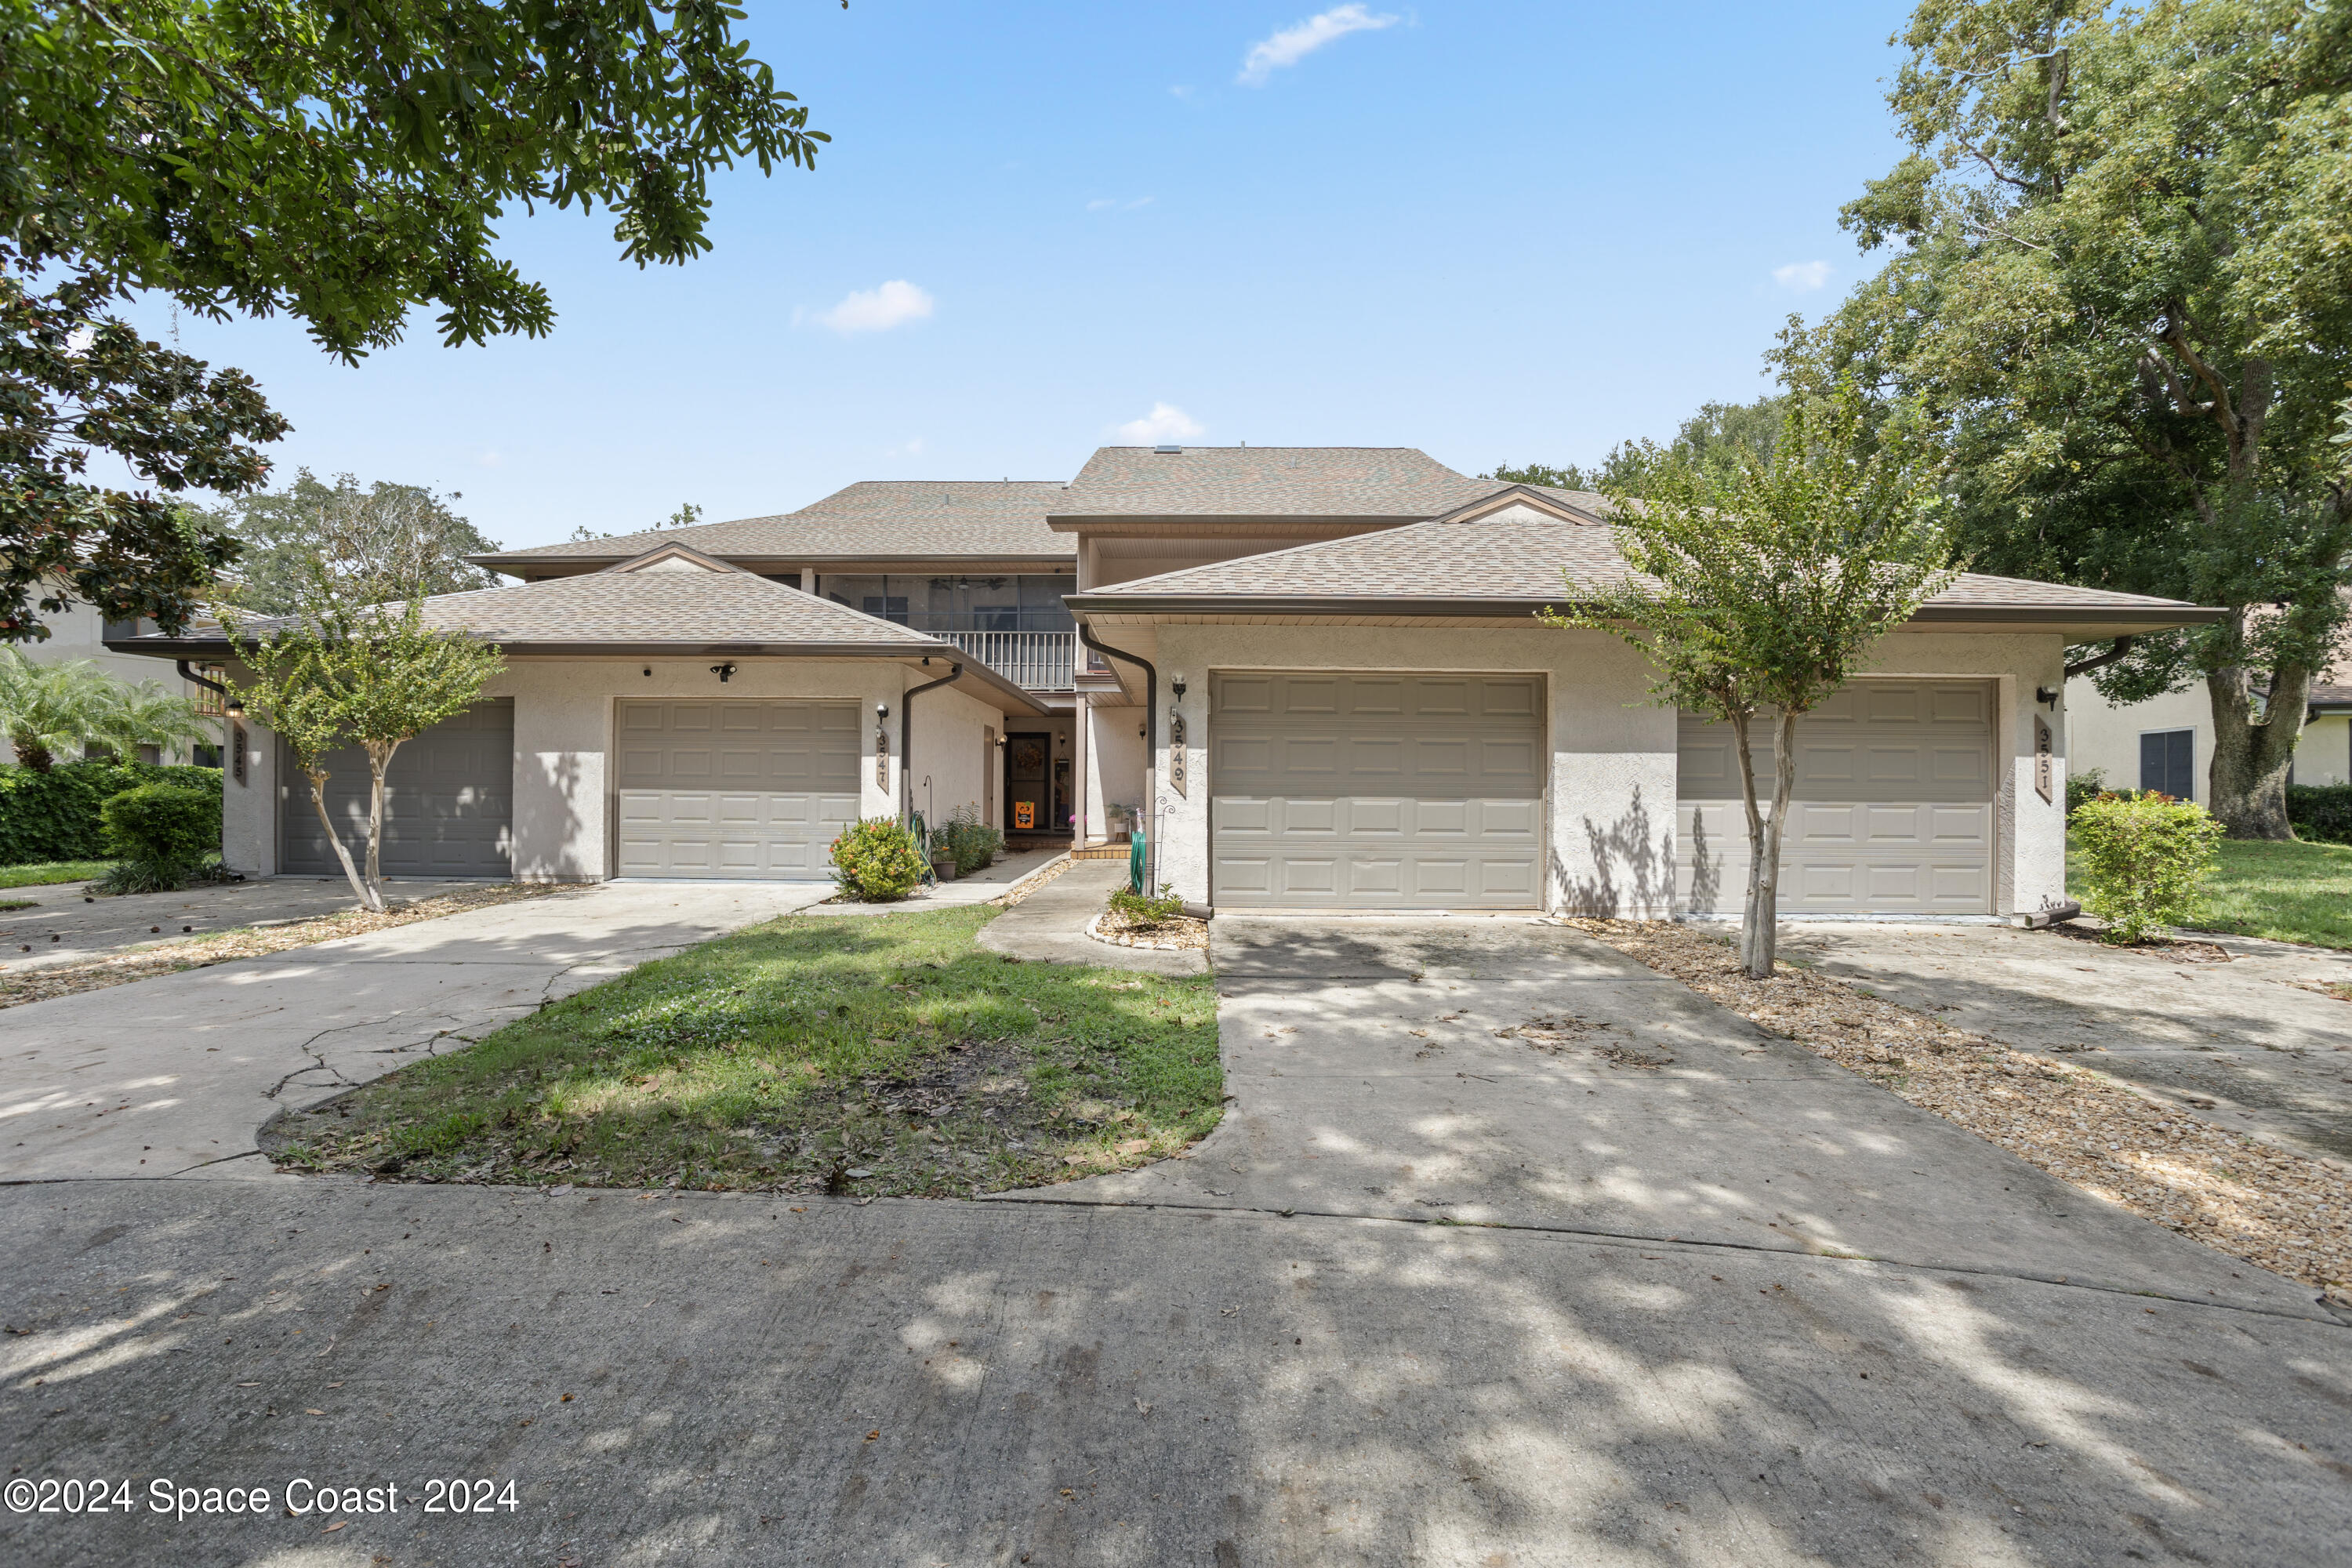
{"points": [[374, 675], [1757, 588]]}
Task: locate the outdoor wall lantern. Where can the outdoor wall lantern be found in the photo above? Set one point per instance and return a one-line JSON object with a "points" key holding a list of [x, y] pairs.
{"points": [[722, 671], [2048, 694], [881, 711], [1176, 682]]}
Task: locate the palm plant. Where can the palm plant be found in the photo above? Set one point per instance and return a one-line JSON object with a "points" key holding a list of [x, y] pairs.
{"points": [[147, 715], [47, 708]]}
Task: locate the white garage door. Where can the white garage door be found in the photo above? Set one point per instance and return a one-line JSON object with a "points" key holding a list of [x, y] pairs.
{"points": [[1893, 812], [1376, 791], [751, 790]]}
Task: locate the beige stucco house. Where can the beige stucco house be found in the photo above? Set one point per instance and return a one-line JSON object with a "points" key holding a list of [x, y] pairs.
{"points": [[1314, 676]]}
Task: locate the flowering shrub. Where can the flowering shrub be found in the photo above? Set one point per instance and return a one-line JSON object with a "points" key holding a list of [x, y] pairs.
{"points": [[2145, 859], [877, 860]]}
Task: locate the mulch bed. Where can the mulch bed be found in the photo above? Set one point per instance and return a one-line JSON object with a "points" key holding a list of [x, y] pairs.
{"points": [[1174, 934], [151, 959], [2284, 1211]]}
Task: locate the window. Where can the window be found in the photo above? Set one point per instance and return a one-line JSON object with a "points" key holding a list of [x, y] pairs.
{"points": [[2168, 762]]}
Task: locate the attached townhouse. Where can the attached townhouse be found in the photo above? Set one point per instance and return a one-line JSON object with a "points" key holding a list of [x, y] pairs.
{"points": [[1313, 675]]}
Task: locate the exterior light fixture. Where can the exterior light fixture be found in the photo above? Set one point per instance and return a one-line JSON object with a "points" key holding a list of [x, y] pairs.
{"points": [[2048, 694], [1176, 682], [722, 671], [881, 711], [235, 708]]}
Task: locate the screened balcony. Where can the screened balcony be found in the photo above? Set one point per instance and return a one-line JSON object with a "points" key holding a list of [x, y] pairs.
{"points": [[1016, 625]]}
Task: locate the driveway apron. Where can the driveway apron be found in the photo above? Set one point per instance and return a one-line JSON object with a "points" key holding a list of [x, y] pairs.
{"points": [[1503, 1072]]}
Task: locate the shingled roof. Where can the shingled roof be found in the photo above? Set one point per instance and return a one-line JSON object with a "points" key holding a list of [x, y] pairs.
{"points": [[1505, 556], [1393, 483], [879, 519], [662, 604]]}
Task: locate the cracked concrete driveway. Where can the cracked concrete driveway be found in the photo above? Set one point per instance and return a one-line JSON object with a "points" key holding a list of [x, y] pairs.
{"points": [[176, 1074], [1626, 1332]]}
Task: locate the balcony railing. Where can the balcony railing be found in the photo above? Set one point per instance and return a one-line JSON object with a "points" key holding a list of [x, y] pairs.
{"points": [[1034, 661]]}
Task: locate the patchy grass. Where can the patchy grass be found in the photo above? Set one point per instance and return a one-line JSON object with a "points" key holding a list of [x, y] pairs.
{"points": [[41, 874], [2287, 893], [873, 1055]]}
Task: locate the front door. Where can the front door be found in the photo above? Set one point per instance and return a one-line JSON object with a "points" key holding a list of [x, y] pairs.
{"points": [[1028, 782]]}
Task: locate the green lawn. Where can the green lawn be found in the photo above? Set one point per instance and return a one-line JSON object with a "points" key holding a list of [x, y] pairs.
{"points": [[47, 871], [872, 1054], [2289, 892]]}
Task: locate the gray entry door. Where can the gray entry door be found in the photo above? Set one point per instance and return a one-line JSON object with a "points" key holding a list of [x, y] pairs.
{"points": [[1376, 791], [1893, 810], [755, 790], [449, 802]]}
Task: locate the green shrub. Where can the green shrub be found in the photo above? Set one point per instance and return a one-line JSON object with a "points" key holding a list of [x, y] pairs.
{"points": [[164, 834], [2088, 784], [54, 816], [1143, 909], [971, 842], [2145, 859], [877, 860], [2321, 812]]}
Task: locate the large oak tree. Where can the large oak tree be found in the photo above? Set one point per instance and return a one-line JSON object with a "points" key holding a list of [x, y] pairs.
{"points": [[2121, 278]]}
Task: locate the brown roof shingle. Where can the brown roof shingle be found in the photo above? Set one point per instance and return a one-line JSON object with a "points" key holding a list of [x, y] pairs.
{"points": [[971, 519], [1399, 482], [1514, 556]]}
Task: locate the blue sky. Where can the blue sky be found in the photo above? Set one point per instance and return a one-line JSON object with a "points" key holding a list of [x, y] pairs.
{"points": [[1498, 232]]}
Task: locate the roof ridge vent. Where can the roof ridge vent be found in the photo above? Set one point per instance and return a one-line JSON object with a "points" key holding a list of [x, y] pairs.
{"points": [[1168, 450]]}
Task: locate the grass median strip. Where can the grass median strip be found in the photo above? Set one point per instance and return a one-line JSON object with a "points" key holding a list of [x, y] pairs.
{"points": [[874, 1055]]}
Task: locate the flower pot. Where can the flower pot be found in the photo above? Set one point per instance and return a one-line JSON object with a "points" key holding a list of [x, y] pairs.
{"points": [[943, 867]]}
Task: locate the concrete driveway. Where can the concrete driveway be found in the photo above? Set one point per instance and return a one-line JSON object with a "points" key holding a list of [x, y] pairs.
{"points": [[174, 1075], [68, 921], [1610, 1339], [2257, 1044]]}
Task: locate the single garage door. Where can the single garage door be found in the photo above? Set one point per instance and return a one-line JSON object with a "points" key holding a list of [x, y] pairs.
{"points": [[1376, 791], [1893, 810], [449, 802], [751, 790]]}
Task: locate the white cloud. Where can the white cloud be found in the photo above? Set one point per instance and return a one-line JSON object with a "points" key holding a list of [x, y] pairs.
{"points": [[1802, 276], [1112, 205], [893, 304], [1300, 40], [1166, 422]]}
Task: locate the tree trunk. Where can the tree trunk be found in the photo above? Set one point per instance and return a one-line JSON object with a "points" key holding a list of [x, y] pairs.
{"points": [[379, 758], [367, 897], [31, 753], [1761, 928], [2247, 781]]}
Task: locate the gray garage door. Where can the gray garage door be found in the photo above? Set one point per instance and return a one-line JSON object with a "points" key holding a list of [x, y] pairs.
{"points": [[1376, 791], [1893, 812], [757, 791], [449, 802]]}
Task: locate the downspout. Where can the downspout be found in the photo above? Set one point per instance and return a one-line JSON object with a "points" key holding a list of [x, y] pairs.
{"points": [[907, 736], [207, 682], [1150, 747]]}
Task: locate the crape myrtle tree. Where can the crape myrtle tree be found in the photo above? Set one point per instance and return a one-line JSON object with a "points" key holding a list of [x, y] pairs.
{"points": [[343, 163], [337, 673], [2120, 280], [1757, 587]]}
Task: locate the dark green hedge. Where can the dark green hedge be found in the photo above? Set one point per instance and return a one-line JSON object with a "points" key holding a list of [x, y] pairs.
{"points": [[54, 816], [2321, 810]]}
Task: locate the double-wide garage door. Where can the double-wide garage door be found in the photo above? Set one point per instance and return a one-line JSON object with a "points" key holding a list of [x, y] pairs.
{"points": [[449, 802], [1334, 791], [751, 790], [1893, 810]]}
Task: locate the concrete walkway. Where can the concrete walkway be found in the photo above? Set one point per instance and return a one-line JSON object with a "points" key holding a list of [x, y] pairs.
{"points": [[1049, 926], [2255, 1043], [176, 1074]]}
